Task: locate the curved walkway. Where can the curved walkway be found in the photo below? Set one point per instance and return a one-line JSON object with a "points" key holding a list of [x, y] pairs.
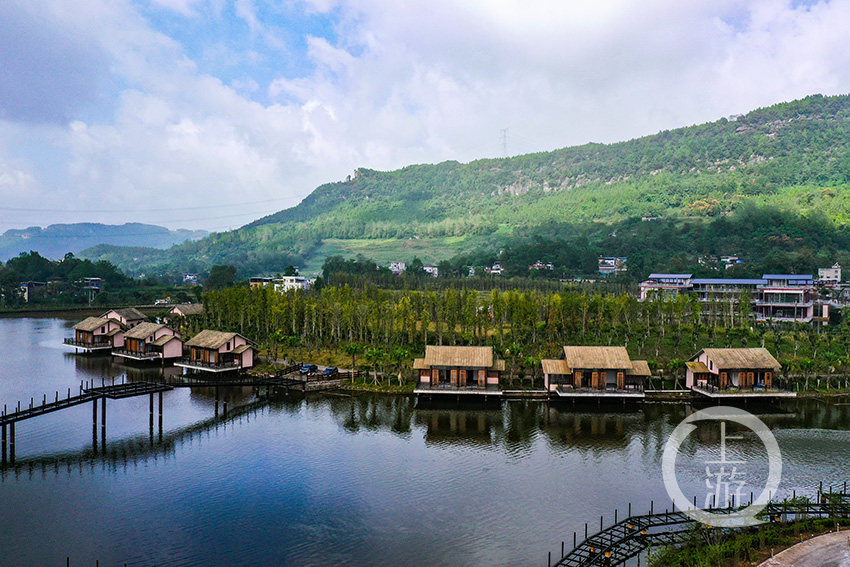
{"points": [[828, 550]]}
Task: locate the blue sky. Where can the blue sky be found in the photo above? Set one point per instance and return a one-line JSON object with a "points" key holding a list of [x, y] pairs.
{"points": [[211, 113]]}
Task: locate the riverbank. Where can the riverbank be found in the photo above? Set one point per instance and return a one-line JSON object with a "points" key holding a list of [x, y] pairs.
{"points": [[751, 548]]}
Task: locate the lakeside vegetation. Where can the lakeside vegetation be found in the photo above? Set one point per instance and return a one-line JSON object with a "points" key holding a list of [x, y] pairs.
{"points": [[381, 330], [745, 548]]}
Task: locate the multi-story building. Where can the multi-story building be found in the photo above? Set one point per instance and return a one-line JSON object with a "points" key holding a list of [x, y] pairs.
{"points": [[774, 297], [830, 275], [790, 297], [665, 285]]}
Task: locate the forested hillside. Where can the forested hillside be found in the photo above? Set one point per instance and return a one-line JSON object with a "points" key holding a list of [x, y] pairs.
{"points": [[793, 157]]}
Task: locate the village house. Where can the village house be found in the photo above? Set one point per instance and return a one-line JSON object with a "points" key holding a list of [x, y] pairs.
{"points": [[830, 276], [595, 370], [725, 370], [609, 265], [286, 283], [186, 310], [217, 351], [150, 341], [128, 317], [397, 267], [96, 334], [431, 270], [459, 369]]}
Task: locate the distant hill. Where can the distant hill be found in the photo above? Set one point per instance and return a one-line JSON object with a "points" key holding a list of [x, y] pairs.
{"points": [[58, 239], [793, 156]]}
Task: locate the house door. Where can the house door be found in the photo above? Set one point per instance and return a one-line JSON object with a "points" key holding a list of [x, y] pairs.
{"points": [[462, 382], [621, 381], [453, 377], [482, 378], [435, 377]]}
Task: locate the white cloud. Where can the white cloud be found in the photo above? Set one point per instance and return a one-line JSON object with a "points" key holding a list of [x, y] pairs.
{"points": [[388, 84]]}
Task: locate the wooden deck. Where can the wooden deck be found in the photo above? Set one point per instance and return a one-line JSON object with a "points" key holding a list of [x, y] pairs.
{"points": [[745, 394]]}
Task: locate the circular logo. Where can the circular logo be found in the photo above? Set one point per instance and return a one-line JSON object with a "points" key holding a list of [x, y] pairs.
{"points": [[723, 477]]}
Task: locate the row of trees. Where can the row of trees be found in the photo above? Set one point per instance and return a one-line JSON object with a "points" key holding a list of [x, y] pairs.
{"points": [[387, 328]]}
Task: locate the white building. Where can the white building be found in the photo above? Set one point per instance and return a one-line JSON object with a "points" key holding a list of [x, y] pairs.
{"points": [[431, 269], [285, 283], [612, 265], [397, 267], [830, 275]]}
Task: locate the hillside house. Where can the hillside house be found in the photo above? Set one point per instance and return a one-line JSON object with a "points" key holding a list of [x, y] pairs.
{"points": [[186, 310], [128, 317], [150, 341], [96, 334], [612, 265], [286, 283], [217, 351], [595, 370], [718, 370], [459, 369], [830, 276]]}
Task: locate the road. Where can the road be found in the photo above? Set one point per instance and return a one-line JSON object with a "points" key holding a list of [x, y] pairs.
{"points": [[828, 550]]}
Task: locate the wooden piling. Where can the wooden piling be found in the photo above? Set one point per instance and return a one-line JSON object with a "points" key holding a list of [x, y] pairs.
{"points": [[4, 445], [12, 442]]}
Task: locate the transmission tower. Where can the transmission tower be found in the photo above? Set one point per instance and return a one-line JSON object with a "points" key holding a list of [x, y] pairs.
{"points": [[504, 138]]}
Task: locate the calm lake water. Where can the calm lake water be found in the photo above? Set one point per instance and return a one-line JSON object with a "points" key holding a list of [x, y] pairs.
{"points": [[344, 479]]}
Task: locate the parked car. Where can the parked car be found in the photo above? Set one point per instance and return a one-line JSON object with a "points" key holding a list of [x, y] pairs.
{"points": [[330, 371], [309, 369]]}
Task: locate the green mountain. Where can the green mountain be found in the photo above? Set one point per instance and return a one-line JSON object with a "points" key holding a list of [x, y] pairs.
{"points": [[793, 156], [57, 240]]}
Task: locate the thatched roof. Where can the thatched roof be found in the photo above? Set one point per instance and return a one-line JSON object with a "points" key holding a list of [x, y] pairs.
{"points": [[461, 356], [164, 339], [419, 364], [187, 309], [128, 314], [597, 357], [639, 368], [89, 324], [210, 339], [697, 367], [242, 348], [143, 330], [555, 366], [732, 358]]}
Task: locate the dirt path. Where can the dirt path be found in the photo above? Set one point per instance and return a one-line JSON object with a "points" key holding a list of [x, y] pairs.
{"points": [[828, 550]]}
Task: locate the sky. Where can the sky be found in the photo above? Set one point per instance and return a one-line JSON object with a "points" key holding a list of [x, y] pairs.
{"points": [[212, 113]]}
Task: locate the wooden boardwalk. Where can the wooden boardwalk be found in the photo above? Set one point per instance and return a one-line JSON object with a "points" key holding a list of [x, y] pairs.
{"points": [[287, 378], [632, 536]]}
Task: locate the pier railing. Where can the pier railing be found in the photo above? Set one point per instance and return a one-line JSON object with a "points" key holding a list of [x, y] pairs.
{"points": [[633, 535]]}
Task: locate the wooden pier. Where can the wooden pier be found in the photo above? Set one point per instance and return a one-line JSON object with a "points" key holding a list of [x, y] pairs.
{"points": [[288, 378], [86, 394]]}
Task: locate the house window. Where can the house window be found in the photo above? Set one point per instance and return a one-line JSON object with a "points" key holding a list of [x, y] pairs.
{"points": [[228, 345], [103, 329]]}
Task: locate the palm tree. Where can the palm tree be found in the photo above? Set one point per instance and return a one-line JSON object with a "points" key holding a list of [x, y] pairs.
{"points": [[398, 356], [375, 356], [352, 349]]}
